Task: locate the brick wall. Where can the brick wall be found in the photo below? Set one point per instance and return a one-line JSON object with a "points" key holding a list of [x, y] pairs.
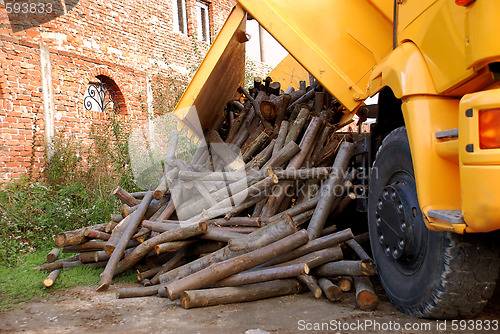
{"points": [[122, 40]]}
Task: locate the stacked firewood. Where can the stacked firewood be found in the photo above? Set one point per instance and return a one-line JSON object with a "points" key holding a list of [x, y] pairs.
{"points": [[253, 225]]}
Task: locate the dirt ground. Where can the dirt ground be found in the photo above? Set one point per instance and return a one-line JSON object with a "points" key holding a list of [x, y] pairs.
{"points": [[82, 310]]}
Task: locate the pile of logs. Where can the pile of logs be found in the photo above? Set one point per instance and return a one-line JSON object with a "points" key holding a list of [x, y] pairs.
{"points": [[274, 235]]}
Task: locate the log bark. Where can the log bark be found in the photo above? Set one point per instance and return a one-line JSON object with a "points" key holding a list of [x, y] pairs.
{"points": [[143, 249], [256, 107], [327, 196], [256, 144], [222, 150], [327, 241], [95, 256], [137, 292], [245, 205], [116, 235], [312, 284], [170, 264], [366, 298], [358, 249], [297, 209], [283, 156], [171, 246], [301, 173], [316, 258], [94, 234], [280, 139], [297, 126], [228, 295], [260, 159], [235, 265], [52, 255], [264, 236], [125, 197], [136, 217], [49, 281], [115, 217], [56, 264], [331, 291], [75, 237], [110, 226], [282, 109], [264, 275], [238, 221], [347, 267], [318, 149]]}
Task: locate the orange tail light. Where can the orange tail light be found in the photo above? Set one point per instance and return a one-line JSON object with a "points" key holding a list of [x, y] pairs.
{"points": [[489, 128]]}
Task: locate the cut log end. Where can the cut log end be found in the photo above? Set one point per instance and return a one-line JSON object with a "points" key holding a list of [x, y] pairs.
{"points": [[367, 300], [60, 240], [368, 267], [49, 281]]}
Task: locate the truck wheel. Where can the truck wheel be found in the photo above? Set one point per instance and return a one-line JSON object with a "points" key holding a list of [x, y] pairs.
{"points": [[424, 273]]}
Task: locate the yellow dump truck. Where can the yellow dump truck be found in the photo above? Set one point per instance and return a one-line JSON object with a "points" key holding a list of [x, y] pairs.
{"points": [[433, 203]]}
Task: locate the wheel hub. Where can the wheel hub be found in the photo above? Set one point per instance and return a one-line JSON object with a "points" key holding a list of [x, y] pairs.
{"points": [[396, 211]]}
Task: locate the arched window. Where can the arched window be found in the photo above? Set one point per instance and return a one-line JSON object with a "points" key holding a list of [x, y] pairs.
{"points": [[104, 95]]}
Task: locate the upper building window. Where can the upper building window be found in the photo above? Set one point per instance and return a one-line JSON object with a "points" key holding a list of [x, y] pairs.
{"points": [[180, 16], [203, 23]]}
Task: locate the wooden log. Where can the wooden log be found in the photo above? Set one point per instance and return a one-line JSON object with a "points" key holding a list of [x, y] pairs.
{"points": [[72, 264], [116, 235], [181, 233], [125, 197], [303, 217], [260, 159], [257, 210], [261, 237], [264, 275], [331, 291], [95, 256], [238, 221], [222, 150], [93, 245], [256, 107], [345, 283], [136, 217], [170, 264], [115, 217], [246, 293], [362, 238], [302, 99], [312, 284], [185, 175], [93, 234], [318, 149], [173, 140], [280, 139], [282, 108], [327, 241], [301, 173], [245, 205], [257, 143], [171, 246], [316, 258], [366, 298], [283, 156], [296, 209], [327, 196], [358, 249], [269, 110], [238, 229], [100, 264], [161, 188], [264, 236], [56, 264], [347, 267], [275, 88], [110, 226], [329, 230], [75, 237], [295, 95], [235, 124], [328, 152], [235, 265], [296, 127], [319, 102], [137, 292], [49, 281], [52, 255]]}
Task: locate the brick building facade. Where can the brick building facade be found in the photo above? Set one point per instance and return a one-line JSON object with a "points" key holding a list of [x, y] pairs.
{"points": [[48, 61]]}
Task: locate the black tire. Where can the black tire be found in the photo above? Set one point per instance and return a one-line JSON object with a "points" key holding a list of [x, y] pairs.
{"points": [[424, 273]]}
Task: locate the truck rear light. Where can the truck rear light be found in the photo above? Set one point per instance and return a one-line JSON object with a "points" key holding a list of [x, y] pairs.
{"points": [[489, 128], [464, 2]]}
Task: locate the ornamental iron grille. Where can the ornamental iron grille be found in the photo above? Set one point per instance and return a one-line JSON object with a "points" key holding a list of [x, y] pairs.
{"points": [[99, 97]]}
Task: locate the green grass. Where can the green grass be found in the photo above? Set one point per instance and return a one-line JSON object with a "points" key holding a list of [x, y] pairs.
{"points": [[22, 283]]}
